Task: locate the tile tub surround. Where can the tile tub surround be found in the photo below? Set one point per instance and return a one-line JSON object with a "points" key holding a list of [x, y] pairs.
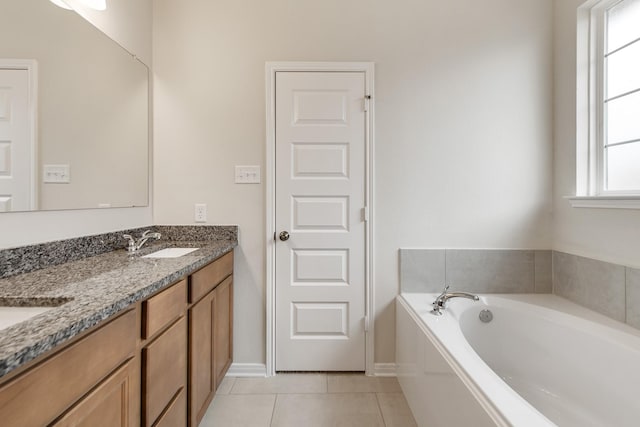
{"points": [[97, 288], [475, 270], [29, 258], [609, 289]]}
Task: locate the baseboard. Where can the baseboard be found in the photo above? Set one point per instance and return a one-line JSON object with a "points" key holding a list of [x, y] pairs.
{"points": [[260, 370], [247, 370], [384, 369]]}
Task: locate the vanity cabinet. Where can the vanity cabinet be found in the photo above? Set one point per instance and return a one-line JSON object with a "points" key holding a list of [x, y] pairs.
{"points": [[164, 355], [82, 383], [109, 405], [157, 364], [210, 337]]}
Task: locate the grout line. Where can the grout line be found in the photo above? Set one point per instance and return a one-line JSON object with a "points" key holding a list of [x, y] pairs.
{"points": [[535, 290], [445, 268], [380, 409], [233, 385], [553, 274], [625, 295], [273, 410]]}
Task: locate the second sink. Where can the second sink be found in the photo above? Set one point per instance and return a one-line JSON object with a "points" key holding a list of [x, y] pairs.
{"points": [[170, 253]]}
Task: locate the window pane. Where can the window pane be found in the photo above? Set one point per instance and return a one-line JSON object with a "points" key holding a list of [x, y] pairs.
{"points": [[622, 24], [623, 70], [623, 167], [623, 118]]}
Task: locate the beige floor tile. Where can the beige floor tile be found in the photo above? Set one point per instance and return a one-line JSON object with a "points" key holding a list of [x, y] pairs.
{"points": [[282, 383], [395, 410], [358, 383], [327, 410], [240, 411], [226, 385]]}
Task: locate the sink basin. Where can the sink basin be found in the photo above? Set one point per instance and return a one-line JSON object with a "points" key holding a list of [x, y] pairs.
{"points": [[9, 316], [170, 253]]}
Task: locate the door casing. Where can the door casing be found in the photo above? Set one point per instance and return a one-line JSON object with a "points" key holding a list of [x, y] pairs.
{"points": [[271, 68], [31, 67]]}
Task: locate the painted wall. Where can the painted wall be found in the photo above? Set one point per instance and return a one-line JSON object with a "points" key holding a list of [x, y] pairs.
{"points": [[611, 235], [463, 125], [130, 23]]}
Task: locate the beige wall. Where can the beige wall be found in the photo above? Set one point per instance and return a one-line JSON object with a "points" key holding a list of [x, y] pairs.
{"points": [[611, 235], [130, 23], [463, 134]]}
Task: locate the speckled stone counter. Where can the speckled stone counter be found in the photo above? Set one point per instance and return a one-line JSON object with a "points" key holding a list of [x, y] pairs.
{"points": [[88, 291]]}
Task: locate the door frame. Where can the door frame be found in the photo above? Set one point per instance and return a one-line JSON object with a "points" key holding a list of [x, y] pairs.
{"points": [[31, 67], [271, 68]]}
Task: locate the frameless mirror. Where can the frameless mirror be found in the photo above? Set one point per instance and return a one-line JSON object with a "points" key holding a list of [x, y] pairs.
{"points": [[73, 113]]}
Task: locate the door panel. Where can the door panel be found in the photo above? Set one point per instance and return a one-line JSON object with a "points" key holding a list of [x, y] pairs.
{"points": [[320, 193], [320, 213]]}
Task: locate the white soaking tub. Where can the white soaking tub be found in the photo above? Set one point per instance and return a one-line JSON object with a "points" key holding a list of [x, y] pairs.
{"points": [[541, 361]]}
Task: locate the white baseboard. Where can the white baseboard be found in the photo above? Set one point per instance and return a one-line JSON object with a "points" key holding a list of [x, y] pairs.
{"points": [[247, 370], [384, 369], [260, 370]]}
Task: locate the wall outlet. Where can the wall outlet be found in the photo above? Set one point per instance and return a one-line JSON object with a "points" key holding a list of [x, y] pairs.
{"points": [[201, 212]]}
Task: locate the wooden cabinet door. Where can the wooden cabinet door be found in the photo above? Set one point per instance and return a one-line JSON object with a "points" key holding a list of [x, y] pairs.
{"points": [[201, 358], [60, 380], [222, 330], [164, 371], [113, 403], [174, 416]]}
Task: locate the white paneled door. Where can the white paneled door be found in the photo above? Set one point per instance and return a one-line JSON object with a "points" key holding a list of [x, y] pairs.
{"points": [[319, 218], [16, 161]]}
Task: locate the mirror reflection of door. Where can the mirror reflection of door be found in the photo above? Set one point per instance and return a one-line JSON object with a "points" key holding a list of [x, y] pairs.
{"points": [[17, 191]]}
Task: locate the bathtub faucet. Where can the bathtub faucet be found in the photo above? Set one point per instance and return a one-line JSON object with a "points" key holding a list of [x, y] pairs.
{"points": [[438, 304]]}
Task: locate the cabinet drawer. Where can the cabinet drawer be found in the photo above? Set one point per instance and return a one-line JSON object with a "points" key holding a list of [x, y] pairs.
{"points": [[205, 279], [111, 404], [58, 382], [164, 369], [161, 309], [176, 414]]}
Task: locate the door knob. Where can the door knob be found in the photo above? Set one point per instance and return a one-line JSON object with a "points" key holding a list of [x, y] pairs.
{"points": [[284, 236]]}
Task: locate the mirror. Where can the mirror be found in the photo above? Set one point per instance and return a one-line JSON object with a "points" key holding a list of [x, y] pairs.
{"points": [[74, 114]]}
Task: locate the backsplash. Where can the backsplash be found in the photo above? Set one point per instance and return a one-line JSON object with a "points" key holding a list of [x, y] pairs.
{"points": [[25, 259], [610, 289], [475, 270]]}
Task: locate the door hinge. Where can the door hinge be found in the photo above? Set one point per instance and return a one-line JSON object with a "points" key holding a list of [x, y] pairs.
{"points": [[366, 323], [365, 213], [365, 103]]}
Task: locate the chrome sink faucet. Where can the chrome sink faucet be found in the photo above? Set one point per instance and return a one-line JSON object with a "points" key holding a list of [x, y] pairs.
{"points": [[438, 304], [135, 245]]}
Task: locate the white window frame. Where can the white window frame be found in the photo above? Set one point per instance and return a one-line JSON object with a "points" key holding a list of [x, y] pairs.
{"points": [[590, 74]]}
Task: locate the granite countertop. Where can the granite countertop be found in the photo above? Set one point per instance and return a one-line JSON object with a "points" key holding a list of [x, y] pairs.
{"points": [[87, 291]]}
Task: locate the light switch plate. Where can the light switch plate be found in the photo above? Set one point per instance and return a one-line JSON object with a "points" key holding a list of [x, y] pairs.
{"points": [[247, 174], [56, 174]]}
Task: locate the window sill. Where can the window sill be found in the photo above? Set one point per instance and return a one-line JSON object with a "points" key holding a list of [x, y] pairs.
{"points": [[605, 202]]}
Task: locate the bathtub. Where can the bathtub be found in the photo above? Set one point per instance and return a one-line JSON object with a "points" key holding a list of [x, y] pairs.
{"points": [[541, 361]]}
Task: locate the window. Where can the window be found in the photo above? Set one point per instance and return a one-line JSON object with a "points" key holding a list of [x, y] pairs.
{"points": [[609, 99]]}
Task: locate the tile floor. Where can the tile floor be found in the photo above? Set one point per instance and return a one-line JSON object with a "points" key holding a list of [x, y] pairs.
{"points": [[309, 400]]}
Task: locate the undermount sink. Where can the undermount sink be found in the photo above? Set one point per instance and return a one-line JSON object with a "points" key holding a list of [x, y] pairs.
{"points": [[170, 253], [14, 310], [9, 316]]}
